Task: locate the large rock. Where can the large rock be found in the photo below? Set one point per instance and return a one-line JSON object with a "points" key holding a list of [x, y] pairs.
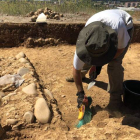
{"points": [[48, 93], [20, 55], [23, 71], [23, 60], [30, 89], [11, 121], [42, 111]]}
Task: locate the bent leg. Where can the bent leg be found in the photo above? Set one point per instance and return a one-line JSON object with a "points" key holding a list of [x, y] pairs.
{"points": [[115, 87]]}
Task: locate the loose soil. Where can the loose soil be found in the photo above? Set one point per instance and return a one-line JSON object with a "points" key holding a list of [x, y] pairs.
{"points": [[53, 64], [68, 18]]}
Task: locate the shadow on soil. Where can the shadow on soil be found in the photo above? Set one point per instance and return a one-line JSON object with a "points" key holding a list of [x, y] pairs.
{"points": [[99, 84], [131, 117]]}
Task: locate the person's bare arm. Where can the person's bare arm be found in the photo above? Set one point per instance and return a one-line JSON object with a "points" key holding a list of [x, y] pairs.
{"points": [[118, 53], [78, 79]]}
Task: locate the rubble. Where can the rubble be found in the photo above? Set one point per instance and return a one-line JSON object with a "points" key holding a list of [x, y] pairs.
{"points": [[38, 42], [25, 104], [48, 12]]}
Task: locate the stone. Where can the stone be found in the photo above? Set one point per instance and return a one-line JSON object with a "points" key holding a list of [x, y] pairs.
{"points": [[61, 15], [17, 126], [31, 13], [30, 89], [23, 60], [20, 55], [46, 128], [40, 11], [28, 65], [16, 116], [29, 117], [30, 41], [11, 121], [47, 92], [42, 111], [63, 96], [7, 114], [57, 17], [33, 18], [9, 95], [23, 71], [40, 42], [2, 94], [47, 41]]}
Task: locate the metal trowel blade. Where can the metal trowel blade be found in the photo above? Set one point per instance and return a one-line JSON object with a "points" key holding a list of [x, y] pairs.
{"points": [[91, 84]]}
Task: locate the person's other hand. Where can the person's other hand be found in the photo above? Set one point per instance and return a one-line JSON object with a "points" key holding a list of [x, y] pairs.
{"points": [[82, 99], [92, 73]]}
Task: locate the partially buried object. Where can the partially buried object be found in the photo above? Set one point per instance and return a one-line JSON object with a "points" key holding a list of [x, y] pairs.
{"points": [[41, 18]]}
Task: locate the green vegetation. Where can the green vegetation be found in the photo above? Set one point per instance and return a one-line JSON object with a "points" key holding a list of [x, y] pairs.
{"points": [[23, 7], [16, 7]]}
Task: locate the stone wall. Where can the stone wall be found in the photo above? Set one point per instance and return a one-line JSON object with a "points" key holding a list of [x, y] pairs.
{"points": [[13, 34]]}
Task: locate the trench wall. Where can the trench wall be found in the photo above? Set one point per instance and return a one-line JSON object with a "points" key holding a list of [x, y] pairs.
{"points": [[13, 34]]}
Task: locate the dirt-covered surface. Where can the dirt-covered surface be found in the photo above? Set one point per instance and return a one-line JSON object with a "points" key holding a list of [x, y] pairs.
{"points": [[53, 64], [50, 64], [34, 34], [68, 18]]}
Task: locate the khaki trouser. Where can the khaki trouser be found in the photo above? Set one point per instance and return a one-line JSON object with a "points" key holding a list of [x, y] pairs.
{"points": [[115, 72]]}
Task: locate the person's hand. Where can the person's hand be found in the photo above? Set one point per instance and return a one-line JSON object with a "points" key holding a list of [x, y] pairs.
{"points": [[92, 73], [82, 99]]}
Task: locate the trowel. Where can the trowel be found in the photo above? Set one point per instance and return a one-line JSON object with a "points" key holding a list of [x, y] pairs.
{"points": [[91, 84]]}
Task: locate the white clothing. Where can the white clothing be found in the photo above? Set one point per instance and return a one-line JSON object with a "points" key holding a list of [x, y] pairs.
{"points": [[109, 15], [118, 20], [77, 63]]}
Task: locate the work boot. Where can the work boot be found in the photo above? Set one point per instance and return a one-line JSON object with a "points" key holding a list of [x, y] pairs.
{"points": [[71, 79], [114, 106], [115, 102]]}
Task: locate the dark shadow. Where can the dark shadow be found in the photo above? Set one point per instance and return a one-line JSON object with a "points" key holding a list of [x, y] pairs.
{"points": [[131, 117], [86, 80], [131, 99], [99, 84], [131, 120], [95, 109]]}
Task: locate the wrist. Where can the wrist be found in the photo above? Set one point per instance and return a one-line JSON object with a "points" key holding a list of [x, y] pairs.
{"points": [[80, 93]]}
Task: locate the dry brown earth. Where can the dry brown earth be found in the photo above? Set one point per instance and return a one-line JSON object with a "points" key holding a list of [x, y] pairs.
{"points": [[53, 65], [68, 18]]}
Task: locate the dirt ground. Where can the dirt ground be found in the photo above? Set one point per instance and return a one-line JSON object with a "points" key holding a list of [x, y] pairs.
{"points": [[53, 64], [72, 18], [68, 18]]}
